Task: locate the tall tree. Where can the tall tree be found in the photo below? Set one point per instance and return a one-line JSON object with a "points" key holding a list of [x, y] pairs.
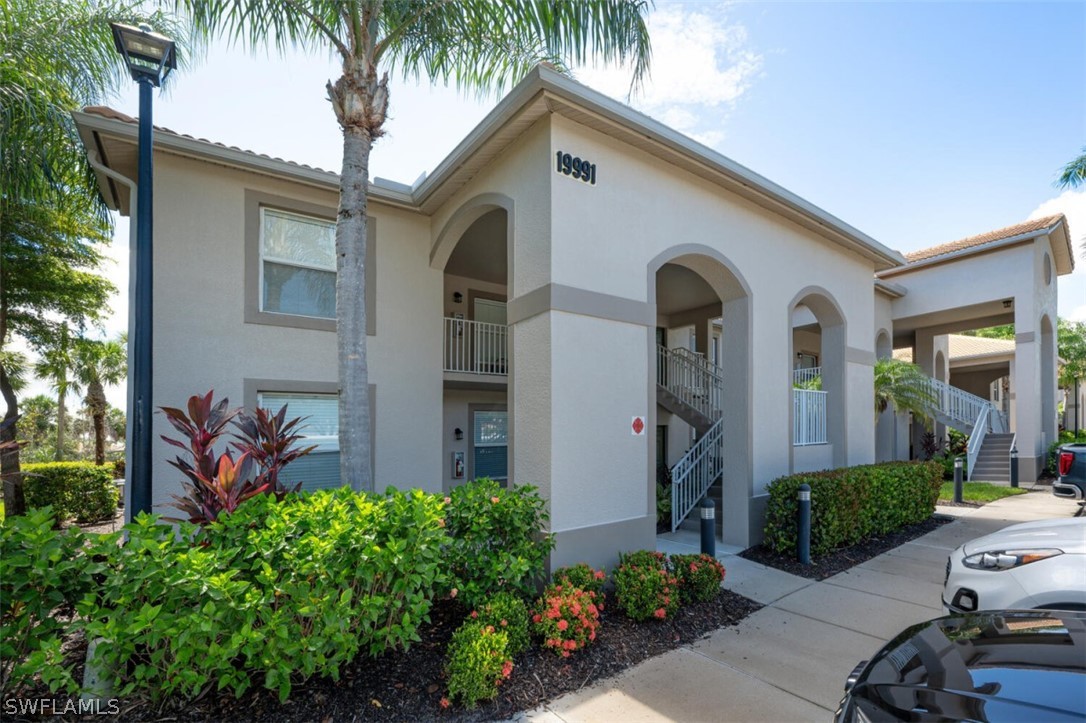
{"points": [[55, 366], [96, 364], [481, 45], [55, 57]]}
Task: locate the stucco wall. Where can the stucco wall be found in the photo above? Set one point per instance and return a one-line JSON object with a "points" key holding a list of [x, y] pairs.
{"points": [[201, 341]]}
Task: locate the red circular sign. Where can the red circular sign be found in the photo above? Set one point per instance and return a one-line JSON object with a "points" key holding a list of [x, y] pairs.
{"points": [[638, 425]]}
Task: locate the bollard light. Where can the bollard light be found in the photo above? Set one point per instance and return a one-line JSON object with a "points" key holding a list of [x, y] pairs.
{"points": [[1014, 467], [958, 468], [803, 546], [708, 527]]}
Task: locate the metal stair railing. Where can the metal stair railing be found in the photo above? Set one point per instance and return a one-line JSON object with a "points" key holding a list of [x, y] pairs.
{"points": [[957, 404], [695, 381], [976, 440], [695, 473]]}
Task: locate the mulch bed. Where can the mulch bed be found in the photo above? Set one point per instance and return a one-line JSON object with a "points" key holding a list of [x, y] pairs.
{"points": [[408, 686], [846, 557]]}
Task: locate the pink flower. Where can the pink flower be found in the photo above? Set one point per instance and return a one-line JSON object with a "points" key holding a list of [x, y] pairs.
{"points": [[592, 635], [661, 613], [453, 592], [504, 623], [536, 618], [494, 500], [599, 574], [507, 669], [445, 703], [474, 614], [562, 625], [448, 500], [565, 653]]}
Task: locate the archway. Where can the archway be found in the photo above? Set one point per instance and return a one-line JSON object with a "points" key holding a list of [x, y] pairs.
{"points": [[1049, 424], [818, 430], [700, 393], [886, 425], [473, 250]]}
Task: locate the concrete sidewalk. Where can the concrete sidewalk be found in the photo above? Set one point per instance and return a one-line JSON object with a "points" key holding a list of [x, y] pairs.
{"points": [[789, 661]]}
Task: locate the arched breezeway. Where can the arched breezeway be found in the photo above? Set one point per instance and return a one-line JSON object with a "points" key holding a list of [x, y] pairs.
{"points": [[819, 391], [701, 389]]}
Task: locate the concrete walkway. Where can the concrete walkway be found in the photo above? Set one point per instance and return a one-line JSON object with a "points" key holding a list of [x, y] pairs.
{"points": [[789, 661]]}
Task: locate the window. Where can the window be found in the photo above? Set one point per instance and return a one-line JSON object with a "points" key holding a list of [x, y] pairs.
{"points": [[320, 468], [290, 263], [491, 445], [298, 264]]}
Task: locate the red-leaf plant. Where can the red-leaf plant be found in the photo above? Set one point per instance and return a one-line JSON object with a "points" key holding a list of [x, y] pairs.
{"points": [[217, 484]]}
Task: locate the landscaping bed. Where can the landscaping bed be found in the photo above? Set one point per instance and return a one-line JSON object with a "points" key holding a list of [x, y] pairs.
{"points": [[844, 558]]}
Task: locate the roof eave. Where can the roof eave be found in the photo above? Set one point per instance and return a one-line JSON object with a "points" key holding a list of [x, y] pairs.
{"points": [[1061, 268]]}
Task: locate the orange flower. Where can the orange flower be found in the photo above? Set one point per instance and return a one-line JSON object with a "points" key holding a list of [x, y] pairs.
{"points": [[563, 625], [445, 703], [494, 500], [661, 613]]}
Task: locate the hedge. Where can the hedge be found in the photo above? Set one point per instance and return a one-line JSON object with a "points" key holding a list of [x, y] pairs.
{"points": [[82, 490], [852, 503]]}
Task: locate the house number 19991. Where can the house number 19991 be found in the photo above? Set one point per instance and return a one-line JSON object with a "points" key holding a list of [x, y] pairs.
{"points": [[577, 167]]}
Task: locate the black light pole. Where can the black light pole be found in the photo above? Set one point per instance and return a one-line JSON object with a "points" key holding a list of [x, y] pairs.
{"points": [[150, 58]]}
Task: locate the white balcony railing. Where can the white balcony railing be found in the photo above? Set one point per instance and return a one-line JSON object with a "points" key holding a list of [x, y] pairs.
{"points": [[809, 419], [476, 347], [806, 378]]}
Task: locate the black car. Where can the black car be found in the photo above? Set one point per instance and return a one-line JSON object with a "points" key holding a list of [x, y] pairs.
{"points": [[988, 666]]}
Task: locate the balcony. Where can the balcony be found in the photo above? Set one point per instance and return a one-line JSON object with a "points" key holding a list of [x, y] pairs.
{"points": [[475, 348]]}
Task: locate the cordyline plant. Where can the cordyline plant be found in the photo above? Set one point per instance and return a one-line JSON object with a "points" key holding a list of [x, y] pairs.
{"points": [[221, 483]]}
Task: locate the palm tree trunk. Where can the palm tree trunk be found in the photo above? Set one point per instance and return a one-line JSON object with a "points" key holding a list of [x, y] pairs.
{"points": [[354, 405], [96, 400], [14, 502], [62, 418]]}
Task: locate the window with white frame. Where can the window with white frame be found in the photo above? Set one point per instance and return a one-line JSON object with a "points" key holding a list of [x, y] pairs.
{"points": [[320, 468], [491, 444], [297, 264]]}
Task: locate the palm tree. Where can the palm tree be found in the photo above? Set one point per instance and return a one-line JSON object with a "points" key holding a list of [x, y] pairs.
{"points": [[96, 364], [1073, 174], [55, 366], [481, 45], [904, 387]]}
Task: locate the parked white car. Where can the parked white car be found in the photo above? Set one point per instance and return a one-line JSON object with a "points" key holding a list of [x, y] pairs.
{"points": [[1031, 565]]}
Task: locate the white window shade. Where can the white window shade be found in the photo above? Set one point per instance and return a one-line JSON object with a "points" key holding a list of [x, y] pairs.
{"points": [[320, 468], [491, 429]]}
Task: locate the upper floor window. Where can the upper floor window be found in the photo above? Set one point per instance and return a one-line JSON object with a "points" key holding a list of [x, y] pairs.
{"points": [[297, 264]]}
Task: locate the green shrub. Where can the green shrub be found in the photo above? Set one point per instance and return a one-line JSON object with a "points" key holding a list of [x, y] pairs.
{"points": [[581, 575], [82, 490], [44, 572], [645, 587], [508, 613], [1052, 465], [566, 618], [477, 661], [495, 542], [851, 504], [946, 462], [699, 576], [268, 595]]}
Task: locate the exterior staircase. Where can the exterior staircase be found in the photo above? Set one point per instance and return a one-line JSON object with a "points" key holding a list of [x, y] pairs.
{"points": [[993, 462], [990, 440], [692, 388]]}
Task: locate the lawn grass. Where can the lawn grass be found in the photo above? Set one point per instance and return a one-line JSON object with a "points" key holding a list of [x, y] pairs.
{"points": [[979, 492]]}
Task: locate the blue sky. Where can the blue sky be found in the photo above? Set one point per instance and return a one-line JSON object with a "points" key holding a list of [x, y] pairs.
{"points": [[917, 123]]}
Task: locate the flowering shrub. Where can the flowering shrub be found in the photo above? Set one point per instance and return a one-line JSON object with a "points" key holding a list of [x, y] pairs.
{"points": [[477, 661], [582, 576], [699, 576], [508, 613], [644, 587], [495, 541], [566, 618]]}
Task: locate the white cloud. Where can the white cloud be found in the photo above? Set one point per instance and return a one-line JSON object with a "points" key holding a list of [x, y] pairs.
{"points": [[701, 65], [1072, 288]]}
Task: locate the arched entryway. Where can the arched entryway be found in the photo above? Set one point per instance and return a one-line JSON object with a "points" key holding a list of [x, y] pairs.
{"points": [[886, 424], [819, 390], [700, 392], [473, 251], [1049, 423]]}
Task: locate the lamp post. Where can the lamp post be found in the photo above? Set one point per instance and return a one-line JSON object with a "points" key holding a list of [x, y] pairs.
{"points": [[150, 57]]}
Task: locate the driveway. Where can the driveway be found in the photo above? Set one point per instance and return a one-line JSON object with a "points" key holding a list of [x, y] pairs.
{"points": [[789, 661]]}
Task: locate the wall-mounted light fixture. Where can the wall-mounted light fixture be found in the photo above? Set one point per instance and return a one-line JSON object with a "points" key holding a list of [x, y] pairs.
{"points": [[458, 433], [1008, 303], [458, 298]]}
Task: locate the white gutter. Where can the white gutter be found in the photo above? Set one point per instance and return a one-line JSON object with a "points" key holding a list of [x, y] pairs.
{"points": [[894, 291]]}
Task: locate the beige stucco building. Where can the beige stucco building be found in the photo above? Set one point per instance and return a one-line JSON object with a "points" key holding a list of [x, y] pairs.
{"points": [[576, 295]]}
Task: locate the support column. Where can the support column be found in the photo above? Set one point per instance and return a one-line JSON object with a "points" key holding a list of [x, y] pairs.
{"points": [[1026, 405]]}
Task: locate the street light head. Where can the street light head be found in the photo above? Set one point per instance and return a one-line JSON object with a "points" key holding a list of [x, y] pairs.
{"points": [[148, 55]]}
